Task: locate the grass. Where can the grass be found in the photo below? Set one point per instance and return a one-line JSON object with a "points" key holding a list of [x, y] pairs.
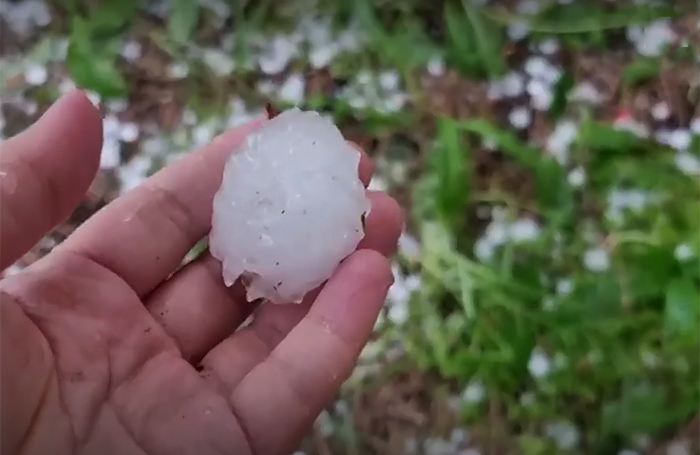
{"points": [[621, 345]]}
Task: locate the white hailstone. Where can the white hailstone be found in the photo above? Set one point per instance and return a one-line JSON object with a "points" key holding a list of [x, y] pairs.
{"points": [[409, 247], [278, 53], [680, 139], [586, 92], [655, 37], [290, 207], [469, 451], [549, 46], [218, 61], [565, 286], [524, 230], [539, 364], [680, 447], [131, 50], [293, 89], [133, 173], [688, 163], [518, 30], [631, 125], [661, 111], [117, 105], [520, 117], [564, 434], [597, 259], [541, 96], [177, 70], [389, 80], [628, 452], [577, 177], [459, 436], [474, 392], [65, 86], [559, 142], [513, 84], [110, 155], [695, 126], [436, 66], [94, 97], [683, 252], [36, 74], [129, 132]]}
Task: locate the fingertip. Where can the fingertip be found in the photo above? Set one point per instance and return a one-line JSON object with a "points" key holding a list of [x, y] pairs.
{"points": [[366, 167], [384, 224]]}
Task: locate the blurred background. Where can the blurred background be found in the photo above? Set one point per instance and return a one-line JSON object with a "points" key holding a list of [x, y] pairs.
{"points": [[547, 154]]}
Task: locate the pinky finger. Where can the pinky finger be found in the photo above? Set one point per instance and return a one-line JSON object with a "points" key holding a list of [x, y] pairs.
{"points": [[306, 369]]}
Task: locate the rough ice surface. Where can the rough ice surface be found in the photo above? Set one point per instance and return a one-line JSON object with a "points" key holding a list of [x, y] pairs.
{"points": [[290, 207]]}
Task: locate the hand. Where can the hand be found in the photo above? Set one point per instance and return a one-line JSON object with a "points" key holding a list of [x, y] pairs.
{"points": [[106, 351]]}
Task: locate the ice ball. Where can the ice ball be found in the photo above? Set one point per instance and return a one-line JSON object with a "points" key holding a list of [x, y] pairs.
{"points": [[290, 208]]}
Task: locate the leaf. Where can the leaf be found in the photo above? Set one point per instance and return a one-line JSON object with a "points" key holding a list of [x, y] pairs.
{"points": [[641, 70], [91, 66], [184, 16], [488, 39], [561, 92], [553, 191], [682, 311], [450, 163], [110, 16], [601, 137], [474, 43]]}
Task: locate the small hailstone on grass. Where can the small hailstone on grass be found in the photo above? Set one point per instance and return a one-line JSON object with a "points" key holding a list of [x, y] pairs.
{"points": [[680, 139], [218, 61], [110, 155], [541, 96], [549, 46], [524, 230], [293, 89], [565, 286], [695, 126], [290, 207], [129, 132], [539, 364], [131, 50], [688, 163], [559, 142], [564, 434], [683, 252], [631, 125], [177, 70], [628, 452], [518, 30], [36, 74], [679, 447], [577, 177], [389, 80], [597, 259], [520, 117], [655, 37], [661, 111], [586, 92], [474, 392], [436, 66]]}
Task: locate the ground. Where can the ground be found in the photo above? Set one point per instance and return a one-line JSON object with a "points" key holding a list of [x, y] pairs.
{"points": [[547, 154]]}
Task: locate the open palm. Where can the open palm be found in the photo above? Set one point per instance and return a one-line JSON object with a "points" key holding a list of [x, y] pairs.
{"points": [[109, 348]]}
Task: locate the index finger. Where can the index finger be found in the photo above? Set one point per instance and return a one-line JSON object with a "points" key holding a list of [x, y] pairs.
{"points": [[144, 235]]}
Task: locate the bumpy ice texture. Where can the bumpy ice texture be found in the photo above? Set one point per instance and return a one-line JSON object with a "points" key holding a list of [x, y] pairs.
{"points": [[289, 208]]}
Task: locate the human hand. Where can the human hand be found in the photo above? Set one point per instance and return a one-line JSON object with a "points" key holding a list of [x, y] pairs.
{"points": [[106, 351]]}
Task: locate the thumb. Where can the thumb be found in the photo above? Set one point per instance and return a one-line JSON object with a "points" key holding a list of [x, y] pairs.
{"points": [[45, 171]]}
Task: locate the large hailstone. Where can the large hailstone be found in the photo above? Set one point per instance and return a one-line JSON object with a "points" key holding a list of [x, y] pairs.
{"points": [[290, 207]]}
